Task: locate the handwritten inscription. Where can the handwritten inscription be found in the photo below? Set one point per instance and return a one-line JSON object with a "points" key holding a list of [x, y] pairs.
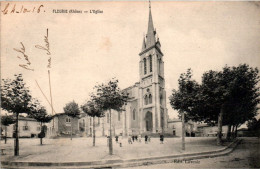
{"points": [[25, 56], [46, 48], [8, 9]]}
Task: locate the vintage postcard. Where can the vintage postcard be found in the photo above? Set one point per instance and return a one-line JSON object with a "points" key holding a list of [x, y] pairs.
{"points": [[120, 84]]}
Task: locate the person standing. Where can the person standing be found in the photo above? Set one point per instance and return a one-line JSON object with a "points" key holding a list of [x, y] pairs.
{"points": [[116, 139], [161, 138], [133, 138], [146, 139], [120, 140]]}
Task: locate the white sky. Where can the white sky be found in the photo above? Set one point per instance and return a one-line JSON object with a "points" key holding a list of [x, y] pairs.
{"points": [[91, 48]]}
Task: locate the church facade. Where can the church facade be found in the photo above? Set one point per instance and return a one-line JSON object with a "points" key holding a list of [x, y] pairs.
{"points": [[146, 110]]}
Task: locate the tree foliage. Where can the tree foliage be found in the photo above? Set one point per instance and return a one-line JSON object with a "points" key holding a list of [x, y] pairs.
{"points": [[40, 114], [92, 109], [109, 96], [184, 99], [7, 120], [72, 109], [253, 124], [15, 96]]}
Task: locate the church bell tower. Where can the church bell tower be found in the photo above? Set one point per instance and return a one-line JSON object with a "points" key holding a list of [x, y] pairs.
{"points": [[152, 83]]}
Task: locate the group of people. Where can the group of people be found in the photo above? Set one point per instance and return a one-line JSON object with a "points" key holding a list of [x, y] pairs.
{"points": [[136, 138], [133, 138]]}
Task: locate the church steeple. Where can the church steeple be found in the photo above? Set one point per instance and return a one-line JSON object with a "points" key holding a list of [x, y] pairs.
{"points": [[150, 36]]}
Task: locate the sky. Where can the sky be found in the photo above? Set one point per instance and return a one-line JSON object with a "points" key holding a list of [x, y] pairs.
{"points": [[87, 48]]}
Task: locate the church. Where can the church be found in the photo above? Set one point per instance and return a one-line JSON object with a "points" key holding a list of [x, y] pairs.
{"points": [[146, 110]]}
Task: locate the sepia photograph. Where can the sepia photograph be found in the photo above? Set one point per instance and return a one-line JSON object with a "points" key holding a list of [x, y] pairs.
{"points": [[130, 84]]}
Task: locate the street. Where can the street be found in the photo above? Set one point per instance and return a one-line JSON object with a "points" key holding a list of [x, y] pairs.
{"points": [[246, 155], [64, 149]]}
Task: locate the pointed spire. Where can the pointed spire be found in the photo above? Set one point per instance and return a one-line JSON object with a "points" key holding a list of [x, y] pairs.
{"points": [[150, 32], [144, 45]]}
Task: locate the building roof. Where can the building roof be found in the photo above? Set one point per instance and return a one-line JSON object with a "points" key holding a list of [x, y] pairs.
{"points": [[26, 118], [174, 120]]}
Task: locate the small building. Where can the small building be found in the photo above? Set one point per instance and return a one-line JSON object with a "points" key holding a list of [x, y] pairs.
{"points": [[204, 130], [175, 127], [62, 124], [27, 127]]}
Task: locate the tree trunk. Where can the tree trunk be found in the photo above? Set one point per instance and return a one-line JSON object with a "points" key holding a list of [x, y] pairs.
{"points": [[236, 132], [71, 129], [229, 132], [94, 132], [232, 131], [41, 137], [183, 131], [110, 132], [16, 141], [5, 134], [103, 129], [220, 118]]}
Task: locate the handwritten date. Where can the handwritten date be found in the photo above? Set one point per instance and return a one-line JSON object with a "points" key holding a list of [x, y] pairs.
{"points": [[8, 9]]}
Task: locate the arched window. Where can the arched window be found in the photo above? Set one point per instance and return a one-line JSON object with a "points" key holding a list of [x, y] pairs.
{"points": [[150, 98], [146, 100], [151, 63], [145, 71], [67, 120], [161, 99], [134, 114]]}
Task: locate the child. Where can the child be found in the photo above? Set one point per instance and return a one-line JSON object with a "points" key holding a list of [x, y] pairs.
{"points": [[139, 138], [129, 140]]}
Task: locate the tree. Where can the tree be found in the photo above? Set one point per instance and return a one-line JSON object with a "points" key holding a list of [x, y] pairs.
{"points": [[6, 121], [245, 96], [93, 110], [16, 99], [41, 116], [184, 98], [108, 97], [226, 97], [72, 110]]}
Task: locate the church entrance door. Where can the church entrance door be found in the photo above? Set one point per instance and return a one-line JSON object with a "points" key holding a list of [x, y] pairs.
{"points": [[149, 121]]}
